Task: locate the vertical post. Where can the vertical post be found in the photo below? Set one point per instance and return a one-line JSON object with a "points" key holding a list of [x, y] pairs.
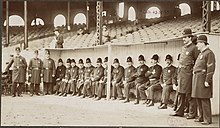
{"points": [[7, 23], [87, 15], [68, 15], [99, 8], [25, 26], [206, 16], [214, 5], [109, 72]]}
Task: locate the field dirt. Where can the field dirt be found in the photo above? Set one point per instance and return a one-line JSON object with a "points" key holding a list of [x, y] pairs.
{"points": [[53, 110]]}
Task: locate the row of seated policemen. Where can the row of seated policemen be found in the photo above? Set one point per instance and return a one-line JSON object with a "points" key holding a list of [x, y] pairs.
{"points": [[91, 81]]}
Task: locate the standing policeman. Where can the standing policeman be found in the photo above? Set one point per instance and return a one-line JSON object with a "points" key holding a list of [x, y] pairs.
{"points": [[35, 71], [18, 73], [202, 88], [187, 60], [129, 80], [49, 71]]}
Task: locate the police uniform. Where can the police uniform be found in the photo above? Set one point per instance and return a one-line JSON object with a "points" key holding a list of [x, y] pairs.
{"points": [[87, 88], [129, 79], [66, 80], [117, 74], [49, 71], [60, 74], [187, 59], [140, 77], [154, 81], [35, 71], [203, 72], [103, 80], [168, 78], [18, 73], [98, 74], [59, 39], [74, 77], [80, 81]]}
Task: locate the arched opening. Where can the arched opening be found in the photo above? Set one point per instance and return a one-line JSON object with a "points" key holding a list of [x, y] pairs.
{"points": [[59, 20], [217, 5], [80, 18], [121, 9], [185, 9], [15, 20], [131, 14], [37, 21], [153, 12]]}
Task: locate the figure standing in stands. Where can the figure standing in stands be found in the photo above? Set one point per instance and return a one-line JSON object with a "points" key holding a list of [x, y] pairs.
{"points": [[117, 81], [74, 77], [89, 71], [105, 34], [35, 71], [153, 74], [18, 73], [80, 81], [129, 79], [58, 38], [202, 88], [140, 76], [98, 74], [49, 71], [60, 74], [168, 81], [188, 56]]}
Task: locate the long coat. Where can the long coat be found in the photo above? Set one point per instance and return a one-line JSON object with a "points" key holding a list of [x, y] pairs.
{"points": [[35, 69], [129, 72], [203, 72], [169, 75], [98, 73], [187, 60], [140, 74], [19, 69], [74, 73], [49, 70], [118, 74]]}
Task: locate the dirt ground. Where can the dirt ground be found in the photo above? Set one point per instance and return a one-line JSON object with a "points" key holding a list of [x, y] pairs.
{"points": [[53, 110]]}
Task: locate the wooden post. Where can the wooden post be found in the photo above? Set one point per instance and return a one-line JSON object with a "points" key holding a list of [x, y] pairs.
{"points": [[109, 72], [87, 15], [68, 15], [25, 26], [7, 23]]}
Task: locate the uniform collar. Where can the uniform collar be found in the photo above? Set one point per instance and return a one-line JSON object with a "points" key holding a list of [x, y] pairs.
{"points": [[206, 48], [187, 45]]}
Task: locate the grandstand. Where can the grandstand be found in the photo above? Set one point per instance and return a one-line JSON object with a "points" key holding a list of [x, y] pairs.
{"points": [[127, 37]]}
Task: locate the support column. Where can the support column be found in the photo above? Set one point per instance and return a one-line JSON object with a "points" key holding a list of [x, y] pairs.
{"points": [[7, 23], [109, 72], [99, 20], [87, 15], [25, 26], [206, 16], [68, 15], [214, 5]]}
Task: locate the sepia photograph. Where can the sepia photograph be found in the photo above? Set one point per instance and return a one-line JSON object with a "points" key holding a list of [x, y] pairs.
{"points": [[110, 63]]}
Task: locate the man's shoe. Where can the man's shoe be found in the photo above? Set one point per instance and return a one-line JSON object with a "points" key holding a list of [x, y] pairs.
{"points": [[151, 103], [19, 95], [175, 114], [73, 94], [205, 123], [190, 117], [137, 102], [97, 99], [13, 95], [114, 98], [198, 120], [60, 94], [31, 95], [38, 94], [122, 98], [64, 95], [91, 96], [163, 106], [145, 102], [126, 101]]}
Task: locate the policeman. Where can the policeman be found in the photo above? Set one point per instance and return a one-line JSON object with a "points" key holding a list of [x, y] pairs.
{"points": [[140, 76], [188, 56], [117, 82], [80, 81], [66, 79], [74, 77], [60, 74], [49, 71], [129, 79], [98, 74], [35, 71], [202, 88], [103, 80], [18, 73], [89, 71], [153, 74], [168, 80]]}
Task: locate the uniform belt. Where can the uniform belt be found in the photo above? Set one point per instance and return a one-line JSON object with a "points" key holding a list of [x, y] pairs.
{"points": [[152, 79], [47, 68], [201, 70], [36, 68], [185, 66]]}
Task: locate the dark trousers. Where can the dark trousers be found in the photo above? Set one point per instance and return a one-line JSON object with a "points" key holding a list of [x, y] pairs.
{"points": [[166, 93], [16, 88], [117, 90], [204, 108], [182, 103], [72, 86], [47, 88], [80, 85], [95, 85], [64, 87], [101, 87], [87, 88], [152, 88], [127, 87], [138, 86], [141, 90], [34, 88], [58, 84]]}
